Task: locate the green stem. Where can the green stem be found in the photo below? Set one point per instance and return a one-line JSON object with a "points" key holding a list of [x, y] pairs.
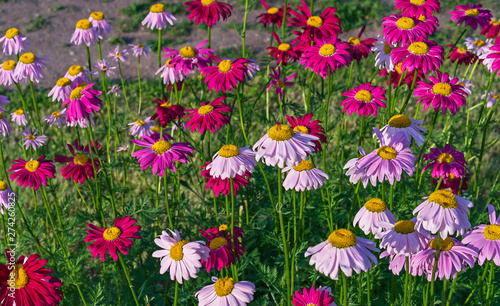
{"points": [[25, 105], [124, 89], [284, 240], [125, 271], [88, 59], [344, 281], [433, 275], [165, 182], [243, 32], [34, 104], [410, 92], [139, 82], [240, 110]]}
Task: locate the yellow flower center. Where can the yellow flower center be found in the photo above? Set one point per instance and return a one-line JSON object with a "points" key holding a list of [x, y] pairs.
{"points": [[217, 243], [187, 52], [229, 151], [31, 137], [492, 232], [404, 227], [207, 2], [442, 88], [354, 40], [155, 128], [422, 18], [364, 95], [205, 109], [405, 23], [301, 129], [479, 43], [451, 177], [176, 250], [272, 11], [84, 24], [1, 115], [280, 132], [19, 112], [82, 85], [161, 147], [80, 159], [327, 50], [399, 121], [97, 16], [167, 105], [3, 186], [417, 2], [280, 83], [118, 54], [223, 227], [11, 33], [419, 48], [342, 239], [32, 165], [445, 245], [494, 22], [315, 21], [75, 70], [444, 198], [398, 68], [386, 152], [9, 65], [112, 233], [472, 12], [224, 286], [445, 158], [76, 93], [63, 82], [376, 205], [140, 123], [27, 58], [225, 66], [284, 47], [387, 48], [462, 50], [21, 277], [56, 115], [157, 8], [140, 46], [304, 165]]}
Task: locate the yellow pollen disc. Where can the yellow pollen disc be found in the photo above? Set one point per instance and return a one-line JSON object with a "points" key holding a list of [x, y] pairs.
{"points": [[31, 137], [187, 52], [3, 186], [376, 205], [207, 2], [166, 105], [112, 233], [217, 243], [417, 2], [342, 239], [176, 250], [140, 123], [280, 83], [62, 82], [84, 24], [273, 11], [327, 50], [399, 121], [118, 54], [398, 68], [404, 227], [75, 69], [444, 198], [9, 65], [315, 21], [461, 84], [1, 115], [167, 63], [224, 286], [223, 227], [462, 50], [140, 46], [451, 177], [205, 109], [386, 152], [32, 165], [97, 16], [443, 89], [19, 112], [354, 40], [472, 12], [446, 244], [387, 48], [21, 277], [56, 115], [284, 47], [80, 159], [445, 158], [161, 147], [83, 85], [495, 22], [157, 8], [280, 132], [11, 33], [301, 129], [229, 151], [422, 18], [304, 165], [155, 128], [364, 95], [405, 23], [479, 43], [419, 48], [225, 66], [27, 58], [76, 93], [492, 232]]}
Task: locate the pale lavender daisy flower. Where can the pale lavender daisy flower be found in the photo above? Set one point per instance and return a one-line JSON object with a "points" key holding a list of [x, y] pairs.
{"points": [[100, 23], [478, 46], [5, 196], [252, 68], [140, 50], [141, 128], [118, 55], [31, 139], [62, 90], [82, 122], [493, 97], [403, 124], [85, 33], [169, 74], [226, 292], [304, 176], [466, 86], [158, 17], [5, 127], [56, 117], [383, 58], [486, 61], [14, 42], [19, 117], [402, 238], [77, 74], [29, 66], [7, 73], [354, 172], [105, 67], [123, 147], [115, 89], [230, 161], [397, 262], [3, 102], [374, 211]]}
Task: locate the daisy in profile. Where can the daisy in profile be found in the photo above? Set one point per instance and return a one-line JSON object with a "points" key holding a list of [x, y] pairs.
{"points": [[188, 58], [7, 73], [209, 116], [33, 282], [100, 23], [401, 237], [32, 173], [478, 46], [82, 102], [402, 30], [360, 48], [444, 213], [418, 7], [56, 117], [342, 251], [122, 148], [180, 257], [471, 15], [383, 52], [226, 75], [77, 74], [493, 97], [112, 239], [141, 128], [169, 74], [321, 296], [304, 176], [85, 32], [19, 117], [3, 101], [409, 127], [397, 262], [365, 100], [220, 248], [492, 30], [422, 55], [374, 211], [223, 186], [62, 90], [115, 90], [230, 161], [486, 238], [140, 50], [279, 82], [158, 17], [445, 161], [461, 56], [283, 145], [118, 55], [252, 68], [29, 67], [5, 193], [5, 127], [354, 172], [32, 140], [14, 42], [105, 67], [274, 15], [226, 291], [284, 52], [167, 112], [208, 11], [398, 73], [326, 55], [79, 166], [305, 125]]}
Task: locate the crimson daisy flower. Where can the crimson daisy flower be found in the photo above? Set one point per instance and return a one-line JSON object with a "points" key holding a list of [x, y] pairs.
{"points": [[399, 29], [326, 55], [226, 75], [471, 15], [416, 8], [223, 186], [166, 111], [32, 173], [442, 92], [273, 16], [360, 48], [80, 165], [461, 55], [446, 162], [453, 183], [208, 11], [209, 116], [492, 29], [220, 244], [397, 74], [423, 55], [33, 283], [284, 52], [304, 125], [365, 100], [113, 239]]}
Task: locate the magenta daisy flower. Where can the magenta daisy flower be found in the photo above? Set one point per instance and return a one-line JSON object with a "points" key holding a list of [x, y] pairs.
{"points": [[82, 102], [79, 166], [471, 15], [365, 100], [326, 56], [401, 237], [226, 75], [284, 52], [354, 172], [402, 124], [274, 15], [5, 127], [486, 239], [431, 22], [494, 58], [19, 117], [402, 30], [141, 128], [77, 74], [105, 67], [342, 251], [14, 42], [29, 67], [62, 90], [230, 161], [158, 17], [140, 50], [374, 211], [492, 30], [32, 173], [360, 48], [208, 11], [226, 291], [85, 32], [5, 194], [7, 73], [167, 112], [445, 161], [209, 116], [304, 125], [461, 56], [422, 55], [32, 140], [118, 55], [169, 74], [112, 239], [100, 23], [220, 247], [56, 117], [416, 8], [223, 186], [161, 154], [280, 83], [319, 297], [188, 58], [304, 176]]}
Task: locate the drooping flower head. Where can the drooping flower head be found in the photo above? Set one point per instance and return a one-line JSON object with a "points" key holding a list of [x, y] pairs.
{"points": [[422, 55], [208, 117], [188, 58], [383, 57], [226, 75], [220, 245], [5, 127], [478, 46], [7, 73], [402, 124], [461, 56], [86, 33], [158, 17], [77, 74], [374, 211], [397, 262], [19, 117], [140, 50], [105, 66], [230, 161], [226, 292], [223, 186], [402, 238], [445, 161], [360, 48], [82, 102], [274, 15], [304, 125], [100, 23], [279, 82], [166, 111], [79, 166], [32, 140], [118, 55], [284, 52], [32, 173], [417, 8], [492, 30], [208, 11], [402, 30], [304, 176], [364, 99], [354, 172], [326, 56], [14, 42], [471, 15], [56, 117], [321, 296], [29, 67], [62, 90], [398, 74], [486, 238]]}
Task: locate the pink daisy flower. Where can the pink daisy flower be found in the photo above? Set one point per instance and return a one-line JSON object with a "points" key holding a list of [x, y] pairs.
{"points": [[166, 111], [208, 11], [444, 213], [226, 75], [461, 55], [397, 74], [360, 48], [32, 173], [209, 117], [32, 140], [56, 117], [85, 32], [140, 50], [422, 55], [19, 117], [105, 67], [471, 15], [416, 8], [77, 74], [342, 251], [486, 239], [219, 185], [445, 161], [113, 239], [318, 297], [158, 17], [401, 237], [82, 102], [304, 176], [280, 83], [161, 154], [180, 257], [100, 23], [402, 124], [79, 166], [383, 57], [326, 55], [118, 55], [354, 172], [62, 90], [365, 100], [169, 73], [5, 194], [14, 42], [494, 57], [188, 58], [230, 161], [226, 291], [115, 89], [374, 211], [402, 30], [7, 73], [274, 15], [5, 127], [123, 147], [141, 128], [304, 125], [29, 67], [492, 30], [220, 247], [284, 52]]}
